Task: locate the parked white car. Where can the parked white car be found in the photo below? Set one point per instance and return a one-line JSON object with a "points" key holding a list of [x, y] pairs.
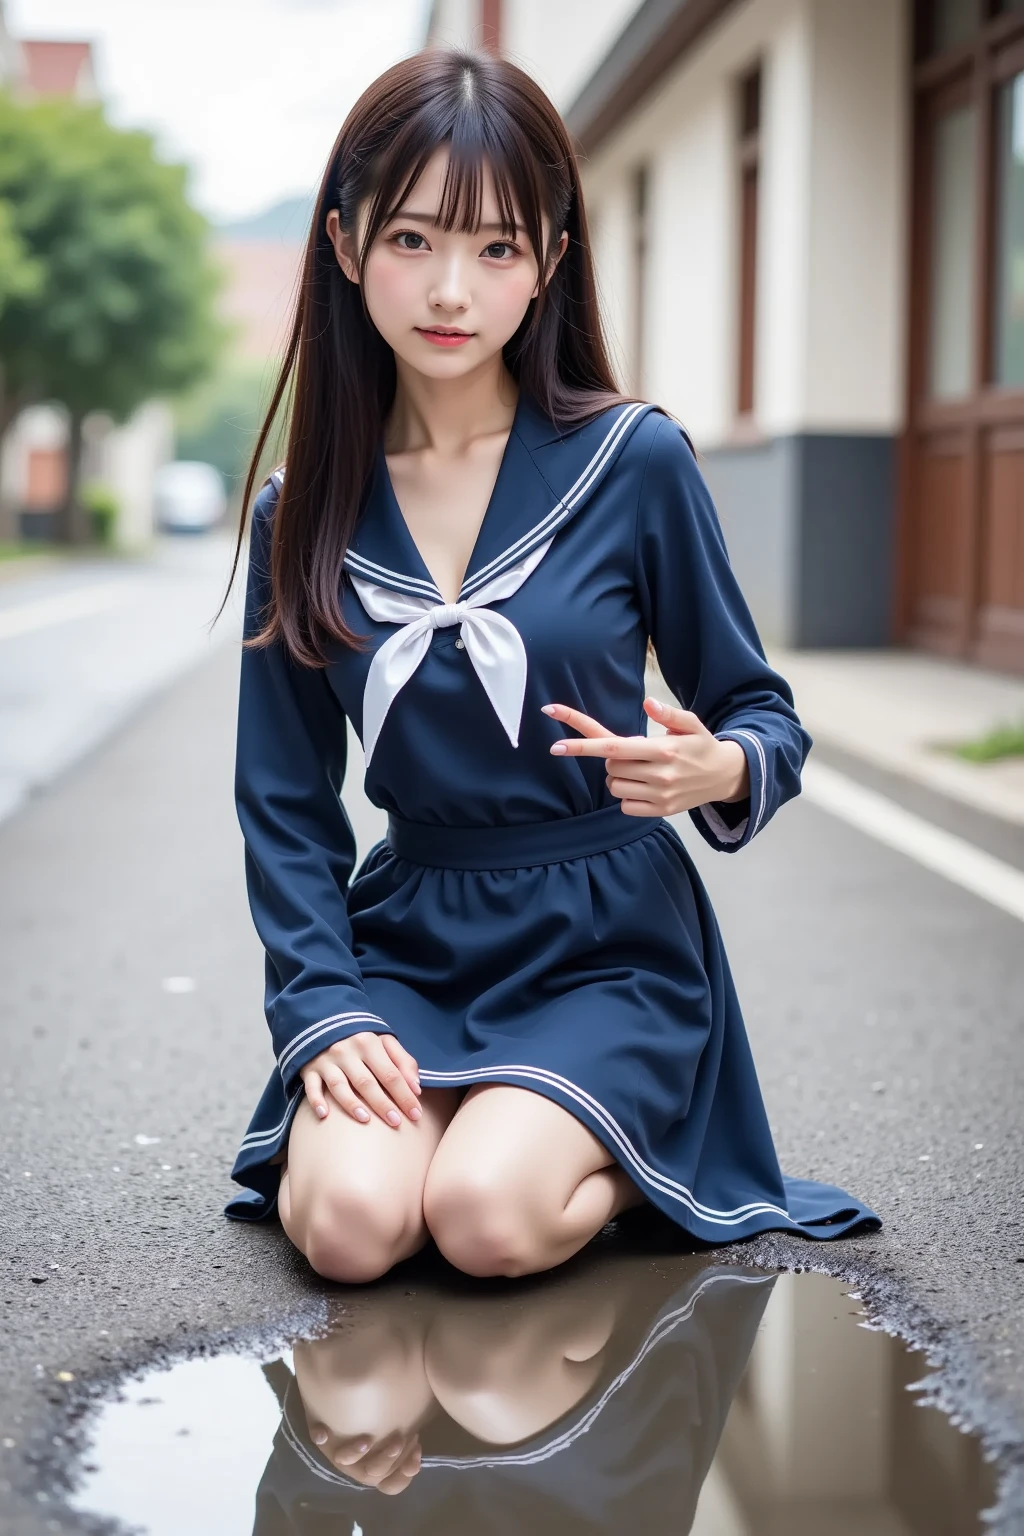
{"points": [[189, 496]]}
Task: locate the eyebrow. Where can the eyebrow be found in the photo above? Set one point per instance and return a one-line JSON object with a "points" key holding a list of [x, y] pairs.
{"points": [[429, 218]]}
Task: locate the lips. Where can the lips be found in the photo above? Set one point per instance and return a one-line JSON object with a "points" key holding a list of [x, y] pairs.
{"points": [[442, 336]]}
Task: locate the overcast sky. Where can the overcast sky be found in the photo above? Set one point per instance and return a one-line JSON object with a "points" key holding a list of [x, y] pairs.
{"points": [[250, 93]]}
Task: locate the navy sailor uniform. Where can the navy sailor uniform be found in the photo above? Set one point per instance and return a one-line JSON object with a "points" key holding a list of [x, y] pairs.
{"points": [[515, 925]]}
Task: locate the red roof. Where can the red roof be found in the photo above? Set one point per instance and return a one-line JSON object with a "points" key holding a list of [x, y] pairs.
{"points": [[53, 69]]}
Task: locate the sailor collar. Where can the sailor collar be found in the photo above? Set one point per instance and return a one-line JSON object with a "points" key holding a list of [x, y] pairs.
{"points": [[544, 478], [523, 515]]}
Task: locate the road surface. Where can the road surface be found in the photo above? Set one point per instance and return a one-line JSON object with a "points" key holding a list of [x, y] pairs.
{"points": [[885, 1004]]}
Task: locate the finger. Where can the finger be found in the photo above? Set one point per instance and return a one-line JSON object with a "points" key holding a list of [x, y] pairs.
{"points": [[639, 808], [340, 1089], [654, 771], [601, 746], [383, 1457], [682, 721], [313, 1084], [405, 1062], [398, 1480], [350, 1450], [391, 1078], [630, 789], [586, 724], [362, 1076]]}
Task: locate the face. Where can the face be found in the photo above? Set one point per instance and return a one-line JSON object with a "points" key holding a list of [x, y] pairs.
{"points": [[446, 302]]}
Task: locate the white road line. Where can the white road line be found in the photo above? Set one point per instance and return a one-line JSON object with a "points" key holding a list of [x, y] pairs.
{"points": [[24, 618], [940, 851]]}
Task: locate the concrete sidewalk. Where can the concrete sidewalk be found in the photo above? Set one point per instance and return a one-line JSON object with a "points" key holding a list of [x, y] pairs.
{"points": [[85, 640], [894, 709]]}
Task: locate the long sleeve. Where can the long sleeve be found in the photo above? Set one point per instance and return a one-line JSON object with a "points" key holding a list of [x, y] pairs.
{"points": [[706, 642], [299, 846]]}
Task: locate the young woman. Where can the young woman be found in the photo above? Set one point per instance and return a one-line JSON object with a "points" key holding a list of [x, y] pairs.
{"points": [[516, 1019]]}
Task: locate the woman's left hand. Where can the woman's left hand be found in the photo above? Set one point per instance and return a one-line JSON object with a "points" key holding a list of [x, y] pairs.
{"points": [[659, 775]]}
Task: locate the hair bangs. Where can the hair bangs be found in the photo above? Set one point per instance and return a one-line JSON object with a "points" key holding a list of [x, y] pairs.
{"points": [[481, 154]]}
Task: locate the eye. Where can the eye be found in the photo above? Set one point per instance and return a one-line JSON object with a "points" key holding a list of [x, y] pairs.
{"points": [[501, 250], [418, 241]]}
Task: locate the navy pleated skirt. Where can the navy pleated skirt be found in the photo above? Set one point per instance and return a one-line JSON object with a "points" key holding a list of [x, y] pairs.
{"points": [[579, 958]]}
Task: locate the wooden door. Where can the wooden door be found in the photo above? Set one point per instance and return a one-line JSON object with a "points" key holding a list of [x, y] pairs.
{"points": [[962, 544]]}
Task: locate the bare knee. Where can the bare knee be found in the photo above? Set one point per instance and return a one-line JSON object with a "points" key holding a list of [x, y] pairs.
{"points": [[354, 1236], [480, 1225]]}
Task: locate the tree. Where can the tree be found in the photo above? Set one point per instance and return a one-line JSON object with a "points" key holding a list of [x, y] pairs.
{"points": [[115, 298]]}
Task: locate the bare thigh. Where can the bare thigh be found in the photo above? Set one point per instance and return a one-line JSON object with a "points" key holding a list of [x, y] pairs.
{"points": [[517, 1184], [351, 1195]]}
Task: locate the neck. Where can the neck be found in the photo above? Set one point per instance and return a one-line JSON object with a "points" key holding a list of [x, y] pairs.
{"points": [[446, 415]]}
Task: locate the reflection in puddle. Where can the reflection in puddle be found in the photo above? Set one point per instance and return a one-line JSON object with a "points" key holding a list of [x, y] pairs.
{"points": [[621, 1394]]}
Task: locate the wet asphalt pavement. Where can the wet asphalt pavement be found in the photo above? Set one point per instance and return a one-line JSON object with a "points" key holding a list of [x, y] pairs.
{"points": [[885, 1006]]}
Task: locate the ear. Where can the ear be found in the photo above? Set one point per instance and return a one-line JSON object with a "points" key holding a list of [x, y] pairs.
{"points": [[558, 253], [343, 246]]}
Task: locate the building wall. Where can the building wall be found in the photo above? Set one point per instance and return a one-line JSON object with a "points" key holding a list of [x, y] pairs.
{"points": [[857, 261], [806, 489], [559, 42]]}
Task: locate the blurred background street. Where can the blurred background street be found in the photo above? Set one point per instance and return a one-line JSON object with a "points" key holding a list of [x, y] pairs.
{"points": [[808, 221]]}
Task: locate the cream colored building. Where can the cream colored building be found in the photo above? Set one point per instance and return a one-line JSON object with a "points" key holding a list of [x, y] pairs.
{"points": [[808, 221]]}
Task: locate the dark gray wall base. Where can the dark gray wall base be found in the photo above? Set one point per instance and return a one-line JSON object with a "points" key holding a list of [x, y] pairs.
{"points": [[810, 524]]}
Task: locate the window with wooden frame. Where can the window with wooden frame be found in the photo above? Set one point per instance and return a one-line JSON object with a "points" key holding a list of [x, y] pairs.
{"points": [[748, 143], [962, 523], [490, 25], [641, 206]]}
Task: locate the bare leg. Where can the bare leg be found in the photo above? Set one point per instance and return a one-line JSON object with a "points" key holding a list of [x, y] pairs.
{"points": [[351, 1195], [518, 1185]]}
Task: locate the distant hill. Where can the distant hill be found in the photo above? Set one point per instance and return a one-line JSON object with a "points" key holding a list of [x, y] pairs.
{"points": [[287, 221]]}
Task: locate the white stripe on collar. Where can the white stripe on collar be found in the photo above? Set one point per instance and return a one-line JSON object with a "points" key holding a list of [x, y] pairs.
{"points": [[564, 506], [548, 525], [371, 571]]}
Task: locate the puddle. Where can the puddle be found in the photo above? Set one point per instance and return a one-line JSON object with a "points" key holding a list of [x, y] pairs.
{"points": [[623, 1395]]}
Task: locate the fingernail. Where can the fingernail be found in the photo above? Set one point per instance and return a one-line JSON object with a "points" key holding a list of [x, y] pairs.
{"points": [[319, 1437], [321, 1111], [558, 749], [393, 1117], [363, 1447], [394, 1452], [415, 1113], [548, 709], [656, 705], [416, 1087], [362, 1114]]}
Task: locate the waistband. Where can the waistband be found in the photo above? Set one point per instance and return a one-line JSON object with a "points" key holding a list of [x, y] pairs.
{"points": [[517, 846]]}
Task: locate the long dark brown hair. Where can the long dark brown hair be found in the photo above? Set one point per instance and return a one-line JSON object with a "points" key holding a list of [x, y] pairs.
{"points": [[340, 373]]}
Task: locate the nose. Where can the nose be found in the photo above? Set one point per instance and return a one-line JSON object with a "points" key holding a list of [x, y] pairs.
{"points": [[450, 291]]}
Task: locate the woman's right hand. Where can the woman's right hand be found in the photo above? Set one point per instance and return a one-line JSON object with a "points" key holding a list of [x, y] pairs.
{"points": [[363, 1073]]}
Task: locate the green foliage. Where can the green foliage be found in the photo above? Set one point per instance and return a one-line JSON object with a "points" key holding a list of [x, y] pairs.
{"points": [[113, 301], [102, 506], [1005, 740], [21, 274]]}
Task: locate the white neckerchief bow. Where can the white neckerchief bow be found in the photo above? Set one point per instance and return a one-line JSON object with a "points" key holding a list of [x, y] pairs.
{"points": [[493, 645]]}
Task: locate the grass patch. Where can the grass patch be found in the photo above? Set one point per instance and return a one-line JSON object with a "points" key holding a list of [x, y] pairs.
{"points": [[1006, 740], [17, 549]]}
